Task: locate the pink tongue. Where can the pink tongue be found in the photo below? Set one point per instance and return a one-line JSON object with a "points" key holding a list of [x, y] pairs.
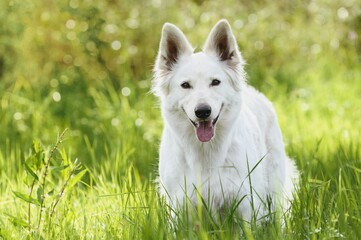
{"points": [[205, 131]]}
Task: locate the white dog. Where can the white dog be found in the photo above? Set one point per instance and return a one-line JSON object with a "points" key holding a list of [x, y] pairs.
{"points": [[221, 138]]}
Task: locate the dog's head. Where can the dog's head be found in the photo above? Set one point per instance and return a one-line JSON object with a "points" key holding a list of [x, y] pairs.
{"points": [[199, 86]]}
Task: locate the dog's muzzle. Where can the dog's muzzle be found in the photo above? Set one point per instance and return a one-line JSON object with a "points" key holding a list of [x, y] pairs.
{"points": [[203, 111], [204, 126]]}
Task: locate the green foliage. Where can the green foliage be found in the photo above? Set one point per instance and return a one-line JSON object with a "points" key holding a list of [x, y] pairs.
{"points": [[87, 65], [51, 177]]}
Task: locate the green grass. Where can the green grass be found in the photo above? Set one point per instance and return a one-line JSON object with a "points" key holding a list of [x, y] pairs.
{"points": [[61, 67]]}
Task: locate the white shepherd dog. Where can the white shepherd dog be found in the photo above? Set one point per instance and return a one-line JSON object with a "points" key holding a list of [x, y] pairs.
{"points": [[221, 139]]}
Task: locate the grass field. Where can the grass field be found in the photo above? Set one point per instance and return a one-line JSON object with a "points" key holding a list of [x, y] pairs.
{"points": [[79, 132]]}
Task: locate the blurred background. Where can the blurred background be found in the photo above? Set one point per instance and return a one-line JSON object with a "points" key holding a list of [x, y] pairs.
{"points": [[87, 65]]}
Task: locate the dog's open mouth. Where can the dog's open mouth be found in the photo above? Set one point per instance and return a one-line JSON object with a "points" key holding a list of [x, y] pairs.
{"points": [[205, 129]]}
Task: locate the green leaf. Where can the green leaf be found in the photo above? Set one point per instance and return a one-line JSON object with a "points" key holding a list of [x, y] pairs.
{"points": [[74, 180], [39, 159], [30, 171], [59, 168], [17, 221], [29, 180], [27, 198], [51, 193], [36, 159], [31, 160], [39, 194], [37, 146]]}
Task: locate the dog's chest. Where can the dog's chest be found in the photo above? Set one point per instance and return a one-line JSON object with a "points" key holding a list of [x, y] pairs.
{"points": [[220, 176]]}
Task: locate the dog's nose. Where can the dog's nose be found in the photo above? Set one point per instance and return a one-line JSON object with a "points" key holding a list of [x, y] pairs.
{"points": [[203, 111]]}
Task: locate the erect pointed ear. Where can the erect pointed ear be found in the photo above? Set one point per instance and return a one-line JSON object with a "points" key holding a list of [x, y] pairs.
{"points": [[221, 42], [173, 45]]}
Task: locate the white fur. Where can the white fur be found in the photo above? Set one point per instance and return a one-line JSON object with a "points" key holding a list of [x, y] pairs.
{"points": [[245, 160]]}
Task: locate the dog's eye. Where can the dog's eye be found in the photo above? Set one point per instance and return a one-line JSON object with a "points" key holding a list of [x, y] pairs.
{"points": [[215, 82], [186, 85]]}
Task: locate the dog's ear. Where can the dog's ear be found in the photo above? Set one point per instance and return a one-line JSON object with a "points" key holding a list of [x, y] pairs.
{"points": [[222, 42], [173, 45]]}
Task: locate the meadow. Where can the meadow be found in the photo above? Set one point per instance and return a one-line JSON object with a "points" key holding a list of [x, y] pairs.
{"points": [[79, 130]]}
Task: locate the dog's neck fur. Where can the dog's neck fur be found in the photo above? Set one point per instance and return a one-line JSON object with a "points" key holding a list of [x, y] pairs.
{"points": [[211, 154]]}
